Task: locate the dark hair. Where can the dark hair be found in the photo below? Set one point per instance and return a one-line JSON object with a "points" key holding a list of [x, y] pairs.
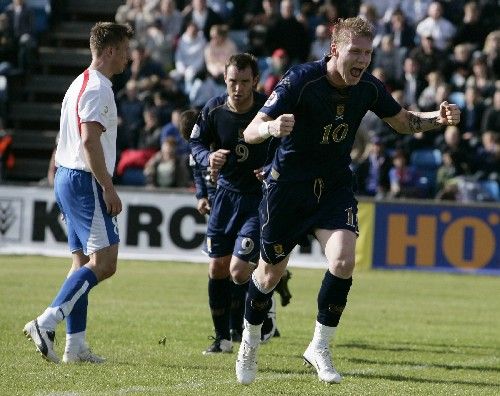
{"points": [[242, 61], [187, 119], [108, 34]]}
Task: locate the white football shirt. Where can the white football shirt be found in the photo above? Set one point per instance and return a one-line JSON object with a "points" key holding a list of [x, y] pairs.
{"points": [[89, 98]]}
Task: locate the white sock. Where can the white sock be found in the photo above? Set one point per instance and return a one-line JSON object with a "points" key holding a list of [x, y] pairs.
{"points": [[322, 335], [251, 333], [49, 319], [75, 341]]}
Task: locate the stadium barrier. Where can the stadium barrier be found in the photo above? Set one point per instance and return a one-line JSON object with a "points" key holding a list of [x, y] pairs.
{"points": [[156, 225]]}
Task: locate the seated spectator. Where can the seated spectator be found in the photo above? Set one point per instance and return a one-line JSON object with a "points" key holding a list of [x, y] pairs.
{"points": [[202, 16], [288, 33], [428, 56], [491, 116], [412, 84], [156, 44], [204, 88], [149, 134], [21, 33], [189, 56], [471, 115], [491, 50], [453, 142], [415, 11], [481, 78], [450, 168], [171, 130], [390, 59], [130, 118], [435, 25], [321, 44], [427, 99], [471, 30], [404, 179], [402, 32], [488, 157], [459, 66], [279, 65], [166, 169], [373, 173], [142, 68], [136, 14], [218, 50]]}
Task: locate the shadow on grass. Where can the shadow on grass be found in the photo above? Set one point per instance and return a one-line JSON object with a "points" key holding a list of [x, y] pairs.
{"points": [[413, 347], [422, 364], [404, 378]]}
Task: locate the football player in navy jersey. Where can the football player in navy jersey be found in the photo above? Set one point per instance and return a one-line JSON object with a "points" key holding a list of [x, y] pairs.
{"points": [[316, 110], [233, 227]]}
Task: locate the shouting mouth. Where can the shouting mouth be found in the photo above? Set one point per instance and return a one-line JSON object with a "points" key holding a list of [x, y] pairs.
{"points": [[356, 72]]}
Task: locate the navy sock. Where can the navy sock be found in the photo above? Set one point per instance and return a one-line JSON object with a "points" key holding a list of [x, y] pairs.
{"points": [[238, 297], [257, 304], [332, 299], [219, 300]]}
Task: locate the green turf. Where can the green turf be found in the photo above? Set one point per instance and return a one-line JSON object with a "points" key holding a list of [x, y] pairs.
{"points": [[402, 334]]}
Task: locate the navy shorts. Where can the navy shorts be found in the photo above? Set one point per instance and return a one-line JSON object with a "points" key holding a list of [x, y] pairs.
{"points": [[79, 197], [289, 211], [233, 225]]}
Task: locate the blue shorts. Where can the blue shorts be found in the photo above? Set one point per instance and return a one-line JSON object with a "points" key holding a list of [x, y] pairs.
{"points": [[79, 196], [289, 211], [233, 225]]}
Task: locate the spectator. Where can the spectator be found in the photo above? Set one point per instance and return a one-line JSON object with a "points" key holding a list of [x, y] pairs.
{"points": [[491, 50], [157, 45], [149, 134], [204, 87], [134, 13], [488, 157], [404, 178], [373, 173], [368, 12], [171, 130], [142, 68], [21, 33], [459, 67], [491, 117], [171, 20], [453, 142], [166, 168], [189, 57], [440, 29], [428, 56], [279, 65], [480, 77], [471, 30], [449, 169], [217, 52], [415, 10], [413, 85], [203, 17], [130, 109], [427, 99], [472, 114], [288, 33], [402, 32], [321, 44], [390, 59]]}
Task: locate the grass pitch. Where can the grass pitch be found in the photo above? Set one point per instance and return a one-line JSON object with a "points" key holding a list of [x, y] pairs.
{"points": [[403, 333]]}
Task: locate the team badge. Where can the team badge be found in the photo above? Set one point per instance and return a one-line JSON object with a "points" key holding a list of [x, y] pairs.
{"points": [[271, 100], [278, 249], [195, 133], [275, 174], [340, 109]]}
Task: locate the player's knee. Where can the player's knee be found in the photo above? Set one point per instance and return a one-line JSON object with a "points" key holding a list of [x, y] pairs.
{"points": [[240, 277], [218, 268], [342, 267]]}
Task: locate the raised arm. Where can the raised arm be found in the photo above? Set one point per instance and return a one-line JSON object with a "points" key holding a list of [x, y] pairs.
{"points": [[263, 126], [410, 122]]}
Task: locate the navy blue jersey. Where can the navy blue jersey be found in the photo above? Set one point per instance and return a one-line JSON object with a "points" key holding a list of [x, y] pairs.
{"points": [[218, 127], [205, 187], [326, 120]]}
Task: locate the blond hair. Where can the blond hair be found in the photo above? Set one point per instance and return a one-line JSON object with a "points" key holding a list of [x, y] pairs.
{"points": [[344, 29]]}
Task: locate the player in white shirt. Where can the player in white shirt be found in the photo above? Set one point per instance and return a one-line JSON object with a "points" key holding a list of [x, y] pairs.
{"points": [[84, 190]]}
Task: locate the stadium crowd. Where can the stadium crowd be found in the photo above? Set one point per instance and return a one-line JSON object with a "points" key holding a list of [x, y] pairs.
{"points": [[425, 52]]}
